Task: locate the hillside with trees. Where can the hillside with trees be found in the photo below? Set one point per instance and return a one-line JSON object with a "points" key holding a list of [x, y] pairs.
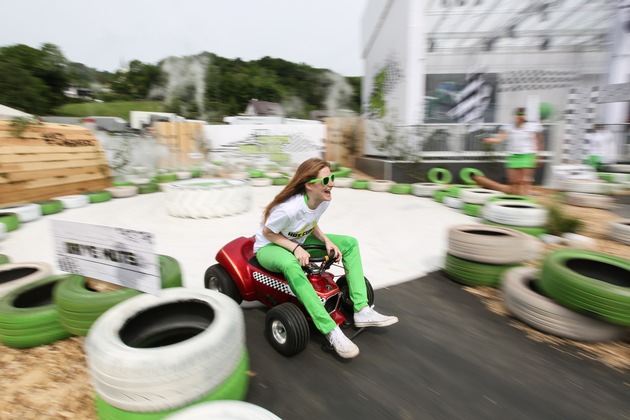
{"points": [[205, 86]]}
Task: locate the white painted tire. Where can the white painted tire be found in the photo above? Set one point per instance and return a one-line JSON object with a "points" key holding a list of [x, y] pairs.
{"points": [[224, 410], [3, 232], [14, 275], [523, 301], [208, 198], [261, 182], [477, 195], [241, 175], [25, 212], [73, 201], [183, 175], [489, 244], [123, 191], [586, 186], [425, 189], [145, 376], [343, 182], [453, 202], [380, 185], [620, 231], [597, 201], [515, 214]]}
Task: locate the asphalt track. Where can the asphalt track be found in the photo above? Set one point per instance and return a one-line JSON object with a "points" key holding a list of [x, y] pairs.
{"points": [[449, 357]]}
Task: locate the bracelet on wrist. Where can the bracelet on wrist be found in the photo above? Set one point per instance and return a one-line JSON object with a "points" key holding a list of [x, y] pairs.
{"points": [[296, 247]]}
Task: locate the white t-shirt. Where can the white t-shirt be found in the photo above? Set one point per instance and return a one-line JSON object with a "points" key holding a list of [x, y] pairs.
{"points": [[521, 140], [601, 143], [293, 219]]}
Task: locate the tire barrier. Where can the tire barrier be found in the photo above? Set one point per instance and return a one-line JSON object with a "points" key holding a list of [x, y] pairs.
{"points": [[619, 168], [29, 316], [148, 188], [477, 195], [597, 201], [471, 273], [4, 259], [524, 299], [438, 195], [98, 196], [439, 176], [280, 181], [234, 410], [169, 177], [155, 353], [73, 201], [181, 175], [456, 190], [589, 282], [512, 198], [586, 186], [50, 206], [425, 189], [466, 175], [473, 210], [208, 198], [343, 172], [400, 189], [10, 221], [360, 184], [380, 185], [452, 202], [343, 182], [3, 232], [533, 231], [80, 306], [13, 276], [240, 175], [256, 173], [25, 212], [516, 214], [123, 191], [260, 182], [489, 244], [620, 231]]}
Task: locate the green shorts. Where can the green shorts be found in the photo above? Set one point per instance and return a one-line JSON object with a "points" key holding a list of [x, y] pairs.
{"points": [[525, 160], [594, 161]]}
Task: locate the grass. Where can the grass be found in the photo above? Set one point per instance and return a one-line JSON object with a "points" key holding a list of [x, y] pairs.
{"points": [[107, 109]]}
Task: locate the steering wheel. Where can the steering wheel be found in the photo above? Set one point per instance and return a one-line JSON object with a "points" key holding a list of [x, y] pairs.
{"points": [[325, 262]]}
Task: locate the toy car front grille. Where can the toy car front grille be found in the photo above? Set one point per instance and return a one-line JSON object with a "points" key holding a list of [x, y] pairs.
{"points": [[332, 303]]}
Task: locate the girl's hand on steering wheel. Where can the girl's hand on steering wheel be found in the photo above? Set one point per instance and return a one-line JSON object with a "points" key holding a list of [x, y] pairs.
{"points": [[302, 256], [332, 247]]}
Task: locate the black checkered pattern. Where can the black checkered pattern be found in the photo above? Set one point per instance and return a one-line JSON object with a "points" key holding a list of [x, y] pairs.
{"points": [[276, 284], [580, 116], [513, 81]]}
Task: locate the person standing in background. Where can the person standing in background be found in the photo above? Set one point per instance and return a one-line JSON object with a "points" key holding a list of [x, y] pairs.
{"points": [[601, 147]]}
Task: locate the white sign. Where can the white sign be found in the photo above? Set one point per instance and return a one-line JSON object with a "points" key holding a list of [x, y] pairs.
{"points": [[121, 256]]}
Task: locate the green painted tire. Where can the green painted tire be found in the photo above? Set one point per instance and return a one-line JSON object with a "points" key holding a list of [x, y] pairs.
{"points": [[589, 282], [196, 172], [254, 173], [455, 190], [342, 172], [440, 176], [280, 181], [10, 220], [148, 188], [466, 175], [439, 195], [122, 184], [98, 196], [4, 259], [473, 273], [513, 198], [361, 184], [28, 316], [401, 189], [233, 388], [471, 209], [170, 177], [79, 307], [50, 206], [534, 231]]}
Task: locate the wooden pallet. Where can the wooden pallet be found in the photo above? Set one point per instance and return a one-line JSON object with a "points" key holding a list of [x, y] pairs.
{"points": [[47, 160]]}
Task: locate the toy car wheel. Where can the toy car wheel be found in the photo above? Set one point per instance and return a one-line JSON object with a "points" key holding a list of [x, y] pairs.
{"points": [[286, 329], [216, 278], [347, 306]]}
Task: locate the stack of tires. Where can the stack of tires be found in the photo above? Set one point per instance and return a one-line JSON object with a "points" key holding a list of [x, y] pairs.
{"points": [[525, 216], [152, 356], [578, 294], [588, 193], [478, 255], [474, 199]]}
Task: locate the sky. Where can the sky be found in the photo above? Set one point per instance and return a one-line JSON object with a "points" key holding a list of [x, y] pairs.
{"points": [[107, 33]]}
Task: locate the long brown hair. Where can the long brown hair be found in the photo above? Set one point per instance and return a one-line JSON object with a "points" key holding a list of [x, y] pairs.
{"points": [[307, 171]]}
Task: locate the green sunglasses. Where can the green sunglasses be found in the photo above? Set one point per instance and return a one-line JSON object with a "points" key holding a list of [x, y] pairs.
{"points": [[325, 180]]}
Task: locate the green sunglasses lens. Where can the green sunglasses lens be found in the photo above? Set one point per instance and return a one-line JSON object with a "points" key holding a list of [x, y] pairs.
{"points": [[327, 179]]}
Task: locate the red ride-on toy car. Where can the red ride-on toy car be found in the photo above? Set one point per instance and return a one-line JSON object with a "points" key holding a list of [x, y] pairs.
{"points": [[239, 276]]}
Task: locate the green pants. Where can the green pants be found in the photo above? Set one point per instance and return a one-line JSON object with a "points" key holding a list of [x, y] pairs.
{"points": [[277, 259]]}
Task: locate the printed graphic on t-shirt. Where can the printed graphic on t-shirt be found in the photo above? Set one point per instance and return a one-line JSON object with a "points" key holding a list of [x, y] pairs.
{"points": [[305, 231]]}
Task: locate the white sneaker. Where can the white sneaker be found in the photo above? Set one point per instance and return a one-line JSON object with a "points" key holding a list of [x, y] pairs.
{"points": [[342, 344], [368, 317]]}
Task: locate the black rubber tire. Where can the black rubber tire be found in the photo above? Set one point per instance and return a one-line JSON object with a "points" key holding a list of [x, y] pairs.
{"points": [[28, 315], [439, 176], [287, 329], [10, 220], [524, 299], [50, 206], [347, 306], [589, 282], [216, 278]]}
